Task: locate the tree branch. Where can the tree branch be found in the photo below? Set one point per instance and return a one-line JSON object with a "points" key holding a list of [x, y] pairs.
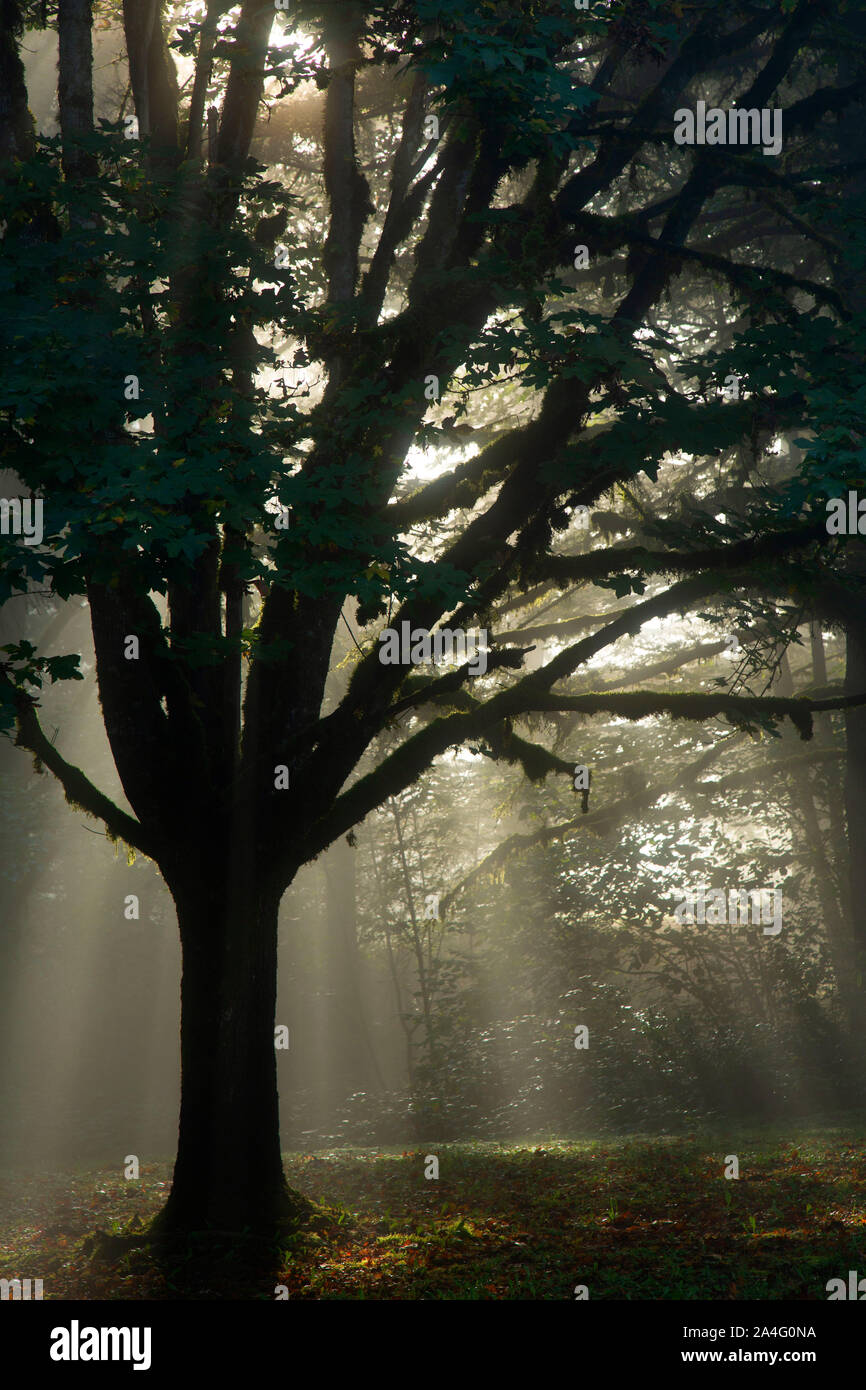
{"points": [[600, 821], [78, 789], [245, 85], [564, 569], [203, 69]]}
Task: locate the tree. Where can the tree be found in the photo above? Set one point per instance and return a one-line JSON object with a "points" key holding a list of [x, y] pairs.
{"points": [[224, 524]]}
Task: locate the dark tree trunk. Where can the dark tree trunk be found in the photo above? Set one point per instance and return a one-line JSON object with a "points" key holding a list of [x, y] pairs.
{"points": [[17, 136], [153, 80], [228, 1176], [851, 143], [17, 130], [855, 788], [75, 85]]}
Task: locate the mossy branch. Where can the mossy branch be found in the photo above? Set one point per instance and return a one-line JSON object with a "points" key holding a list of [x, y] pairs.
{"points": [[414, 756], [746, 711], [79, 791], [599, 564]]}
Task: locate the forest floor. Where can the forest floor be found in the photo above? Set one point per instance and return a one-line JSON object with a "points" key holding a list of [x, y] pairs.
{"points": [[638, 1218]]}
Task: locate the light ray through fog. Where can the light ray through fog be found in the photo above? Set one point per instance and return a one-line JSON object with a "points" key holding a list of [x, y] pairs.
{"points": [[75, 1099]]}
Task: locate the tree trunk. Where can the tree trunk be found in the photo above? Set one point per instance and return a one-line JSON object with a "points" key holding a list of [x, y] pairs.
{"points": [[75, 86], [153, 80], [228, 1176], [17, 135], [851, 144], [855, 790]]}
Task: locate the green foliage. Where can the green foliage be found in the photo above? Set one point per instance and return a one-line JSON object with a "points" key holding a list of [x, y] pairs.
{"points": [[23, 668], [502, 59]]}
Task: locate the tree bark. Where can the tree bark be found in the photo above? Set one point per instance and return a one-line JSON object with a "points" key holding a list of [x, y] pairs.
{"points": [[228, 1175], [153, 80], [851, 143], [75, 86], [855, 787], [17, 135]]}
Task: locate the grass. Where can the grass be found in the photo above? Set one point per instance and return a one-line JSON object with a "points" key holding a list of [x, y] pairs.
{"points": [[630, 1219]]}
